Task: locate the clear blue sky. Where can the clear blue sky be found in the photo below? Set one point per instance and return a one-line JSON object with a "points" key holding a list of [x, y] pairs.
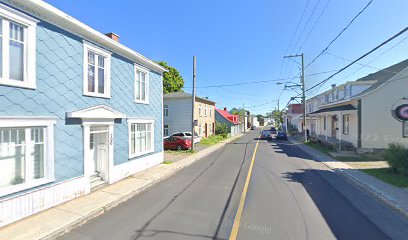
{"points": [[244, 41]]}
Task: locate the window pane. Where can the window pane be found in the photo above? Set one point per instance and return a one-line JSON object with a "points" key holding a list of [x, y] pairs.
{"points": [[405, 129], [37, 138], [101, 80], [132, 143], [101, 62], [143, 97], [148, 141], [137, 86], [91, 58], [16, 60], [12, 156], [1, 54], [91, 78]]}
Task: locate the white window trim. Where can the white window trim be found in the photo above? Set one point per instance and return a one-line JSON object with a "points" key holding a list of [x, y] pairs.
{"points": [[133, 121], [48, 123], [164, 130], [100, 51], [147, 84], [166, 110], [29, 75]]}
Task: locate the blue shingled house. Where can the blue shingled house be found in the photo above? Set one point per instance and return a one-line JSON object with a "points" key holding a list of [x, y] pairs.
{"points": [[77, 109]]}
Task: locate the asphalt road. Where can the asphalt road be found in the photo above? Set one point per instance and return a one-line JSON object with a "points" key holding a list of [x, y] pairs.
{"points": [[290, 196]]}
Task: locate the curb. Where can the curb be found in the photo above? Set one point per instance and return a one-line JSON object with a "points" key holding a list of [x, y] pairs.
{"points": [[185, 163], [373, 192], [363, 186]]}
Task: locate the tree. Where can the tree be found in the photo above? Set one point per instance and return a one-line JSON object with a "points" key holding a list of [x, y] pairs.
{"points": [[278, 117], [221, 128], [172, 80]]}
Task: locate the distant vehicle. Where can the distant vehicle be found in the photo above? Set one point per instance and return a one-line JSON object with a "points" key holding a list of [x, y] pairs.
{"points": [[197, 138], [177, 143], [266, 135], [281, 135], [273, 130], [253, 127]]}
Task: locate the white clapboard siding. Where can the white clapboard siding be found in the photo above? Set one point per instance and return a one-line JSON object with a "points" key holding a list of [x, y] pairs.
{"points": [[16, 208]]}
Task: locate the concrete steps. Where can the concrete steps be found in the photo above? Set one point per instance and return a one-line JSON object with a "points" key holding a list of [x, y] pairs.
{"points": [[97, 182]]}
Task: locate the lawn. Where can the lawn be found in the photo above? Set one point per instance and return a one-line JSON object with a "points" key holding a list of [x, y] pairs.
{"points": [[386, 175], [213, 139], [318, 147]]}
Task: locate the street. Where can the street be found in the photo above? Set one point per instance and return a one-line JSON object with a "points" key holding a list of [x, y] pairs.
{"points": [[289, 196]]}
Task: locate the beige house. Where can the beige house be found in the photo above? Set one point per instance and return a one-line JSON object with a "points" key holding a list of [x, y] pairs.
{"points": [[178, 114], [364, 114]]}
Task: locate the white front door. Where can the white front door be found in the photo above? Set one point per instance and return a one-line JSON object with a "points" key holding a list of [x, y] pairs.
{"points": [[98, 150]]}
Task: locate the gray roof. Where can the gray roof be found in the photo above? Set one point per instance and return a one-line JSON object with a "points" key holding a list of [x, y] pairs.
{"points": [[347, 107], [174, 95], [383, 75], [177, 95]]}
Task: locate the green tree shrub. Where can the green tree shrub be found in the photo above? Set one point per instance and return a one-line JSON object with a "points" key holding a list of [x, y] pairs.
{"points": [[221, 128], [172, 80], [397, 157]]}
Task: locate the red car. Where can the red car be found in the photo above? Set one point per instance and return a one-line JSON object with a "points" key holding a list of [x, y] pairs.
{"points": [[178, 143]]}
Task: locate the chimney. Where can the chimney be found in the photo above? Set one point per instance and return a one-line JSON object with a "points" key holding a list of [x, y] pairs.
{"points": [[113, 36], [333, 85], [225, 109]]}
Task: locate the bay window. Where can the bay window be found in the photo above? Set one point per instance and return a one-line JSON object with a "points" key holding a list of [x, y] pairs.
{"points": [[17, 48], [141, 85], [141, 137], [26, 154], [96, 71]]}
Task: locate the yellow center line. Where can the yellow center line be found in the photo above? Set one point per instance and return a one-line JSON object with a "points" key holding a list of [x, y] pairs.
{"points": [[237, 220]]}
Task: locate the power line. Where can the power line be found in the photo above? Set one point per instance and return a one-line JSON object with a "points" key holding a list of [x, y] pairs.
{"points": [[361, 64], [358, 59], [313, 27], [293, 35], [264, 81], [394, 46], [307, 23], [341, 32]]}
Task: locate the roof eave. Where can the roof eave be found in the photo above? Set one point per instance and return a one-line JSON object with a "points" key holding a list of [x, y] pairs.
{"points": [[57, 17]]}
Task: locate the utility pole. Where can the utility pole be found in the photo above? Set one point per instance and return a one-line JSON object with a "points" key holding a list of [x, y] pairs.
{"points": [[302, 79], [193, 103]]}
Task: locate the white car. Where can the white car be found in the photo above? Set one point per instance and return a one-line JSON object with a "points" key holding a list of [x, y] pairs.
{"points": [[197, 138]]}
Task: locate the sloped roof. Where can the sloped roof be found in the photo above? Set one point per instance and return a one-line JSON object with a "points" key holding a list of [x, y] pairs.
{"points": [[226, 115], [47, 12], [175, 95], [347, 107], [382, 76]]}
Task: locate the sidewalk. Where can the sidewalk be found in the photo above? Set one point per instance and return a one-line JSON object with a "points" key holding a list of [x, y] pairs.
{"points": [[55, 221], [395, 197]]}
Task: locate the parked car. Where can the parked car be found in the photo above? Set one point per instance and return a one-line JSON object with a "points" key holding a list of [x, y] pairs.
{"points": [[177, 143], [273, 130], [281, 135], [197, 138], [253, 127], [266, 135]]}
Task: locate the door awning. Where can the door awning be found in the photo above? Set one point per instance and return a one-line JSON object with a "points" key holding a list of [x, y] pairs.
{"points": [[97, 112], [347, 107]]}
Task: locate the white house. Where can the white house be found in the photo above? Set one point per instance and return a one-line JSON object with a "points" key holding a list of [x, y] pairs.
{"points": [[364, 114]]}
